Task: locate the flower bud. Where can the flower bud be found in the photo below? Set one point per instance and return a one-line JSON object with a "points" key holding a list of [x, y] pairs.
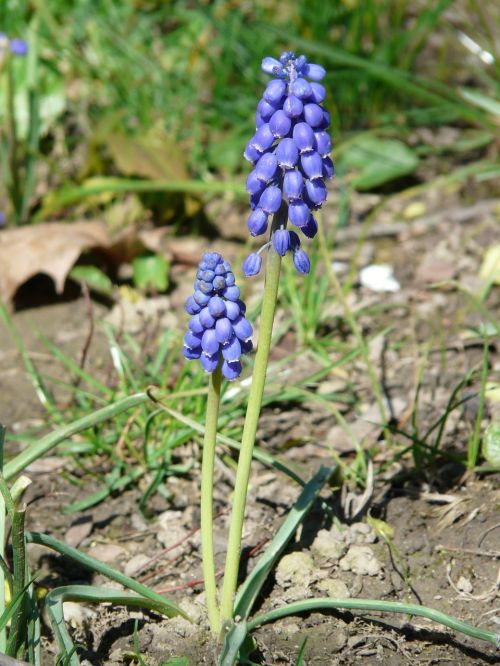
{"points": [[223, 330], [303, 136], [231, 351], [252, 264], [293, 184], [242, 328], [301, 261], [209, 361], [298, 212], [280, 124], [274, 91], [270, 201], [257, 222], [315, 72], [281, 241], [209, 342], [287, 154], [328, 168], [312, 164], [313, 115], [293, 107], [316, 191], [301, 88], [216, 306], [231, 293], [231, 371], [266, 167]]}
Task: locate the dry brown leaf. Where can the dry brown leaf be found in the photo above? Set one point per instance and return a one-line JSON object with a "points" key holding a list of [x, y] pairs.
{"points": [[51, 248]]}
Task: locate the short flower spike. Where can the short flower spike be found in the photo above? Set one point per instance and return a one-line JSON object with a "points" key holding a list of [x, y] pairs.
{"points": [[290, 152], [218, 332]]}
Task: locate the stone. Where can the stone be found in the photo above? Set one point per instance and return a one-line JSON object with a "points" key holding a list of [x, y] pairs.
{"points": [[295, 569], [327, 548], [361, 560]]}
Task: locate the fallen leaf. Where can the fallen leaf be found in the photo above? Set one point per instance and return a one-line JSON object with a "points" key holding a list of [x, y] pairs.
{"points": [[51, 248]]}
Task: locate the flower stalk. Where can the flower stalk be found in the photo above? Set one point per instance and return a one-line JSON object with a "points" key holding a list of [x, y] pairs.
{"points": [[251, 422], [207, 477]]}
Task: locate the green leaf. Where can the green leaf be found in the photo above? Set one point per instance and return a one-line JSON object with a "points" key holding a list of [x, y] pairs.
{"points": [[176, 661], [151, 272], [250, 589], [161, 603], [35, 451], [490, 267], [233, 641], [481, 100], [153, 155], [491, 444], [377, 161], [70, 194], [94, 278], [302, 651], [315, 605], [87, 594]]}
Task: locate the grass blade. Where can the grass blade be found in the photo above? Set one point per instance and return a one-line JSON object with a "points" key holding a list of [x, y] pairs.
{"points": [[259, 455], [87, 594], [311, 605], [111, 185], [250, 589], [232, 642], [163, 604], [35, 451]]}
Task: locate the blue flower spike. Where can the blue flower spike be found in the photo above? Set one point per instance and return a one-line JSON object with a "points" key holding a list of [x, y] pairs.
{"points": [[290, 153], [218, 333]]}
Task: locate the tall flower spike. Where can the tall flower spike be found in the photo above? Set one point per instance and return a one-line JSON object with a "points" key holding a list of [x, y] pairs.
{"points": [[290, 152], [218, 332]]}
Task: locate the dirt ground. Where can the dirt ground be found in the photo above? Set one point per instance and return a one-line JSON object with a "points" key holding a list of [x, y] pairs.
{"points": [[444, 549]]}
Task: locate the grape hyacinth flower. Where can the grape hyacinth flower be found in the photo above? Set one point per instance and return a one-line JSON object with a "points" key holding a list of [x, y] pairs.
{"points": [[218, 330], [290, 152], [17, 46]]}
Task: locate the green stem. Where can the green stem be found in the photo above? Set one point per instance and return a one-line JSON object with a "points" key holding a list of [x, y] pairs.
{"points": [[3, 633], [12, 140], [18, 626], [372, 605], [250, 427], [207, 483]]}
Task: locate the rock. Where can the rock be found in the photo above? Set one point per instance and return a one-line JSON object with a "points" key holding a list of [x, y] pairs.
{"points": [[75, 614], [360, 533], [172, 530], [295, 569], [327, 548], [80, 529], [107, 552], [464, 585], [135, 564], [379, 277], [334, 588], [361, 560]]}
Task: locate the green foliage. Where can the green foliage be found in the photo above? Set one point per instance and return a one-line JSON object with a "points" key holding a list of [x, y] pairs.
{"points": [[150, 273], [374, 162], [491, 444], [94, 278]]}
